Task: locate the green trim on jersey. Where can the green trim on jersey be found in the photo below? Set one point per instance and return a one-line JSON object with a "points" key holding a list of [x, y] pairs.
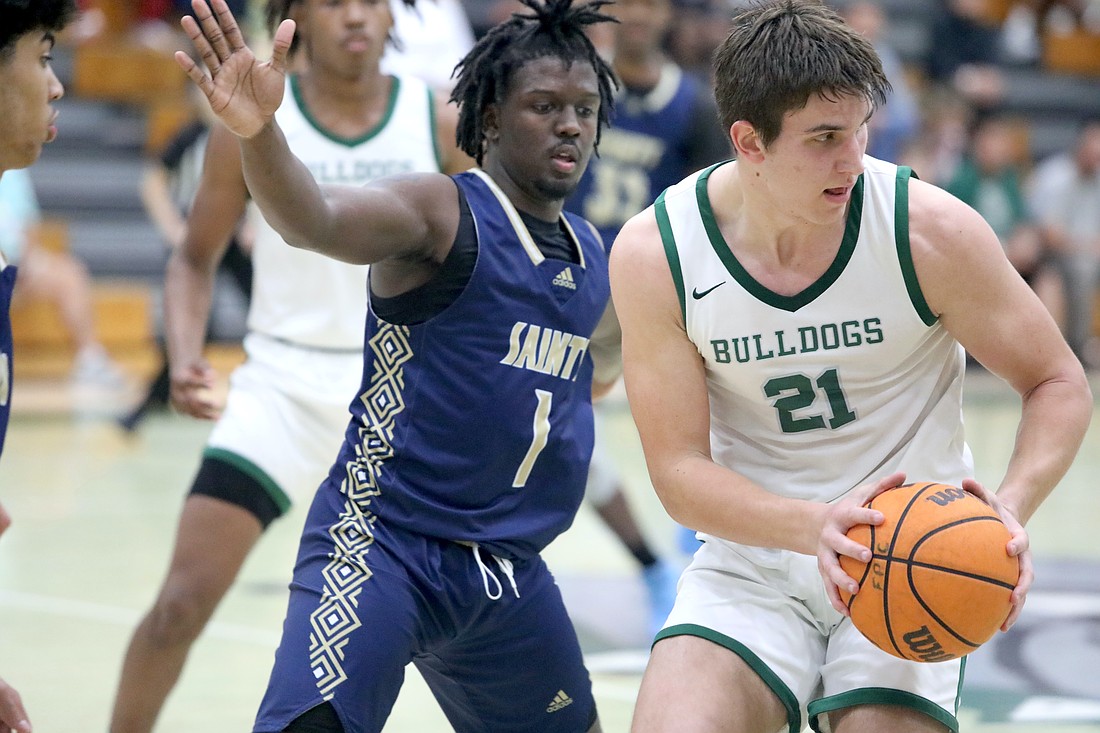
{"points": [[668, 239], [770, 678], [350, 142], [435, 131], [249, 468], [882, 696], [789, 303], [905, 252]]}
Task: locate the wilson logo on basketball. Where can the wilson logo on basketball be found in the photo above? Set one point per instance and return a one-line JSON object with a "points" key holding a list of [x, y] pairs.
{"points": [[924, 646], [943, 498]]}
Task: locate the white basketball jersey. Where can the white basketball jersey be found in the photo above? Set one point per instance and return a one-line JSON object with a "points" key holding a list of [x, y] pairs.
{"points": [[307, 298], [848, 381]]}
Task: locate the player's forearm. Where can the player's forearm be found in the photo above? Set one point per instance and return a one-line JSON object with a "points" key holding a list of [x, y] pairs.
{"points": [[284, 189], [701, 495], [160, 208], [188, 293], [1054, 418]]}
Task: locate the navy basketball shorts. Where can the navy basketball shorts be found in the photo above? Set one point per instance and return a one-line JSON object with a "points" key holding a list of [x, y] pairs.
{"points": [[492, 639]]}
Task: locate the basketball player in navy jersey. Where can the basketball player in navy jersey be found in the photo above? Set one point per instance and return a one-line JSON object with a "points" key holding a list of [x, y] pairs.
{"points": [[471, 432], [287, 407], [813, 306], [28, 88]]}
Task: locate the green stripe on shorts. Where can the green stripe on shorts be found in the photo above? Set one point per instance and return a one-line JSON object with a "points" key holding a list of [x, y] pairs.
{"points": [[250, 469], [771, 679], [881, 696]]}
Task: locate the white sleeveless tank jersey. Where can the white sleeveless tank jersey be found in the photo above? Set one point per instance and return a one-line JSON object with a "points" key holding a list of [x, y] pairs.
{"points": [[853, 378], [307, 298]]}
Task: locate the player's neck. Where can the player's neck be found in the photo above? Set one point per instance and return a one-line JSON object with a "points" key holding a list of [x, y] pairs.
{"points": [[766, 230], [347, 107], [523, 195]]}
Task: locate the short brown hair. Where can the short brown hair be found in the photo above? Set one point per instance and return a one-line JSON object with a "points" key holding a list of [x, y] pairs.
{"points": [[781, 53]]}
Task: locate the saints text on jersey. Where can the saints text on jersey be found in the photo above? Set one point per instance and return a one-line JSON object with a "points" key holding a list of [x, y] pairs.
{"points": [[803, 340], [545, 350]]}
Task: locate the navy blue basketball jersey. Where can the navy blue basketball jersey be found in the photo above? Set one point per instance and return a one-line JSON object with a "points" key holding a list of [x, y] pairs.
{"points": [[656, 137], [476, 425], [7, 284]]}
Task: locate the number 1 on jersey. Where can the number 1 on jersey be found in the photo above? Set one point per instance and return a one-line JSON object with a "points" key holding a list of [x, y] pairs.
{"points": [[541, 433]]}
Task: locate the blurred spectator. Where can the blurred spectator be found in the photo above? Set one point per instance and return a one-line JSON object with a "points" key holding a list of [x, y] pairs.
{"points": [[965, 51], [989, 179], [431, 38], [1065, 196], [895, 124], [938, 148], [57, 277], [1029, 21], [697, 28], [157, 24]]}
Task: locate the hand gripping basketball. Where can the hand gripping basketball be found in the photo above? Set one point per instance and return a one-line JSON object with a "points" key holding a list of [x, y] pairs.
{"points": [[940, 580]]}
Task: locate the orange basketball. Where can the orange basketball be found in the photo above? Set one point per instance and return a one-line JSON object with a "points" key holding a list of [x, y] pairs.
{"points": [[939, 580]]}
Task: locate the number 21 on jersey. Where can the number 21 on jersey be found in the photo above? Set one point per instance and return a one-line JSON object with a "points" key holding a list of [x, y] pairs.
{"points": [[797, 393]]}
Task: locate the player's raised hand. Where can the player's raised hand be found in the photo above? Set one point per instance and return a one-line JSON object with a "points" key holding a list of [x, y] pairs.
{"points": [[243, 92]]}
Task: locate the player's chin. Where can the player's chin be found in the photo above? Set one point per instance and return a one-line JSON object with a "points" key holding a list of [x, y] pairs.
{"points": [[558, 187], [26, 155]]}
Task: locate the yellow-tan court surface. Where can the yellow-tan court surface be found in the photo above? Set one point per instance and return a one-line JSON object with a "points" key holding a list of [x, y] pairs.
{"points": [[94, 519]]}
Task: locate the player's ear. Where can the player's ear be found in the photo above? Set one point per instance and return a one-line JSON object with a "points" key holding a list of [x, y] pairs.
{"points": [[746, 141], [298, 13], [490, 123]]}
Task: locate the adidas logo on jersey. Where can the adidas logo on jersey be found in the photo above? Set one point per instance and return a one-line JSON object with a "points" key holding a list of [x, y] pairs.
{"points": [[561, 700], [565, 279]]}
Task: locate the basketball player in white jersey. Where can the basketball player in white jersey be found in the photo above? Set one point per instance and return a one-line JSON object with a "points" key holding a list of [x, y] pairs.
{"points": [[287, 408], [794, 325]]}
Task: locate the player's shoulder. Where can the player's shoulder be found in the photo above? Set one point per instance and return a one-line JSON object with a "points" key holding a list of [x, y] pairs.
{"points": [[941, 222], [639, 239]]}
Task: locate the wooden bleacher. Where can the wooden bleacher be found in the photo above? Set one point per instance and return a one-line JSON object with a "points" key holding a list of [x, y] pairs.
{"points": [[123, 316], [116, 67], [1072, 53]]}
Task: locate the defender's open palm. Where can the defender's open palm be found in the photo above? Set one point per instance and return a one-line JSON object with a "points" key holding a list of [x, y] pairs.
{"points": [[243, 92]]}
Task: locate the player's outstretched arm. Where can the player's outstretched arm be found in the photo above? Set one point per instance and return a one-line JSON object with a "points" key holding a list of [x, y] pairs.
{"points": [[409, 218]]}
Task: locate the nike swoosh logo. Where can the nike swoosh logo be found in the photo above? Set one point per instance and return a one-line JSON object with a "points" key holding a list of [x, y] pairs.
{"points": [[697, 295]]}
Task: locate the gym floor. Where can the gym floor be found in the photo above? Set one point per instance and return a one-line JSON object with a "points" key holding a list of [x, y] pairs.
{"points": [[94, 518]]}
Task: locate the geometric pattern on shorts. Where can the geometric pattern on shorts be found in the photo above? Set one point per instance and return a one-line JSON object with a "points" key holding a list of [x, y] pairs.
{"points": [[336, 618]]}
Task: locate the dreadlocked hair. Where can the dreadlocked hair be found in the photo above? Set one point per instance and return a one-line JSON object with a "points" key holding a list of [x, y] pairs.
{"points": [[554, 28], [279, 10]]}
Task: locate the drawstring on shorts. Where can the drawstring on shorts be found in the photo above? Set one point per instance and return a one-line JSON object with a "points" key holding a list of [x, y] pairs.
{"points": [[505, 566]]}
